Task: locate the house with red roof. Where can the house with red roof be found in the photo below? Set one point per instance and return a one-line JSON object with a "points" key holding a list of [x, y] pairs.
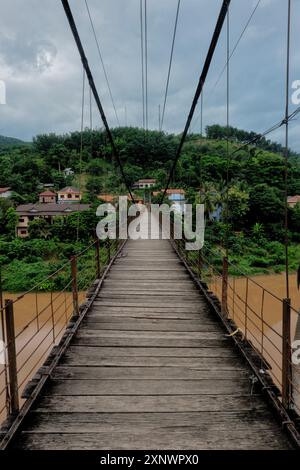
{"points": [[293, 200], [69, 194], [46, 197], [5, 193]]}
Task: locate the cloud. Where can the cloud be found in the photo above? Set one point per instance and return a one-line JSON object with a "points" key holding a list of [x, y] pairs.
{"points": [[42, 71], [22, 55]]}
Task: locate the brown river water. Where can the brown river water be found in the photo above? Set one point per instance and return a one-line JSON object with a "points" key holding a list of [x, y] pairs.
{"points": [[35, 334], [35, 341]]}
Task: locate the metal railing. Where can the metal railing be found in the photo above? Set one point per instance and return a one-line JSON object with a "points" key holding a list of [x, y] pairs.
{"points": [[29, 334], [265, 321]]}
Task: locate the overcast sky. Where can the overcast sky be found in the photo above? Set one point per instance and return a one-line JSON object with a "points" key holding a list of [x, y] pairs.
{"points": [[40, 65]]}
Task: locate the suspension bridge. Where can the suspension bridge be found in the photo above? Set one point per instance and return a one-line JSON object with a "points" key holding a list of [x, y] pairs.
{"points": [[152, 359], [165, 351]]}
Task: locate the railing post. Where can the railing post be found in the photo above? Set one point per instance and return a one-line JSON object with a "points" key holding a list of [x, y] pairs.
{"points": [[1, 290], [199, 264], [224, 306], [11, 357], [98, 263], [52, 316], [108, 249], [246, 307], [74, 285], [286, 353]]}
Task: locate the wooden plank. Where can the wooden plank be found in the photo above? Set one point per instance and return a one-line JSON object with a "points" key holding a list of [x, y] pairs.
{"points": [[115, 315], [135, 341], [148, 261], [81, 423], [139, 352], [147, 372], [150, 299], [151, 325], [150, 368], [167, 302], [159, 291], [149, 387], [164, 335], [99, 305], [152, 269], [149, 361], [201, 438], [150, 285], [148, 275], [148, 404]]}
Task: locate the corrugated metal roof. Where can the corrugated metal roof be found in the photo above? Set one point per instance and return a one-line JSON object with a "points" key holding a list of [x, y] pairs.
{"points": [[51, 209]]}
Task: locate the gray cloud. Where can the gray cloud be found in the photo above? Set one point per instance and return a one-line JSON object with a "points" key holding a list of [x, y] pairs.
{"points": [[43, 74]]}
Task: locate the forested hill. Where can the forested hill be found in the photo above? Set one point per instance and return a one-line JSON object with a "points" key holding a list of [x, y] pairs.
{"points": [[10, 141], [203, 160], [255, 193]]}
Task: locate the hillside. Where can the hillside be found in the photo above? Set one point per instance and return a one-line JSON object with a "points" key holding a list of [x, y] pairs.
{"points": [[10, 141], [255, 192]]}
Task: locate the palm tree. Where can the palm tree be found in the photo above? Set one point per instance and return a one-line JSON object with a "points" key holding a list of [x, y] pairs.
{"points": [[210, 197]]}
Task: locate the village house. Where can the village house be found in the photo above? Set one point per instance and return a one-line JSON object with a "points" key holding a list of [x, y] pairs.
{"points": [[69, 194], [293, 200], [176, 197], [145, 183], [68, 172], [5, 193], [175, 194], [114, 199], [46, 197], [108, 198], [29, 212], [172, 194]]}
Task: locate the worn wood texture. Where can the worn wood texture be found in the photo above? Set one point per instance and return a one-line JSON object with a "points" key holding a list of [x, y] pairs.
{"points": [[150, 368]]}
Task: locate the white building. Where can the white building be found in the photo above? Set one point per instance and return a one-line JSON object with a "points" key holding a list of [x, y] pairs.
{"points": [[68, 172], [5, 193], [145, 183]]}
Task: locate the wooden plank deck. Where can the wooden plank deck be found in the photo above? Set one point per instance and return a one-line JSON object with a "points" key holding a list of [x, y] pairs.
{"points": [[150, 368]]}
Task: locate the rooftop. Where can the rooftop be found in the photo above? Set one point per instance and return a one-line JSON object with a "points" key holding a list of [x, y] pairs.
{"points": [[4, 190], [51, 209], [47, 193], [150, 180], [175, 191], [107, 197], [70, 189]]}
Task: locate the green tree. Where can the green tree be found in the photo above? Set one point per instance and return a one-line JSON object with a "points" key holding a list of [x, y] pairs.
{"points": [[94, 184], [11, 219], [238, 205], [39, 228]]}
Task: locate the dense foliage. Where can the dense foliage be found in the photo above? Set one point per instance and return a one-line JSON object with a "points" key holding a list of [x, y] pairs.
{"points": [[255, 193]]}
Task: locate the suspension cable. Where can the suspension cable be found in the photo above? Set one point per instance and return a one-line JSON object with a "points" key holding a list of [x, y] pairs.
{"points": [[91, 120], [236, 45], [227, 134], [286, 151], [86, 66], [146, 63], [102, 62], [142, 61], [254, 140], [206, 67], [233, 50], [201, 112], [81, 145], [170, 66], [91, 109]]}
